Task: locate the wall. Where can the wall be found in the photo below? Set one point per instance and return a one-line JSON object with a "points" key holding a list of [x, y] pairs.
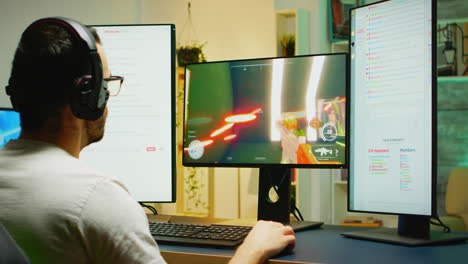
{"points": [[452, 129], [232, 29], [313, 187], [15, 16], [318, 21]]}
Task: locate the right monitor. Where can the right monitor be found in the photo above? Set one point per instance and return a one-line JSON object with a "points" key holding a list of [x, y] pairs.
{"points": [[392, 92], [392, 146]]}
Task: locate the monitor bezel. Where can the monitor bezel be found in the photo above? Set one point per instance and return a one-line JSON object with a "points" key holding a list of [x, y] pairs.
{"points": [[7, 109], [263, 165], [173, 106], [433, 120]]}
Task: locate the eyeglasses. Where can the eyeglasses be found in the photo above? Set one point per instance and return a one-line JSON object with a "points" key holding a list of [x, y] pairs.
{"points": [[114, 84]]}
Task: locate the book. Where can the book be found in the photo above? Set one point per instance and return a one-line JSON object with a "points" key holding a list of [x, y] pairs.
{"points": [[358, 219], [376, 224]]}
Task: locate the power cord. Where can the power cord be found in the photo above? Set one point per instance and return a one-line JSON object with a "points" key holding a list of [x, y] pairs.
{"points": [[295, 215], [439, 222], [295, 211], [149, 207]]}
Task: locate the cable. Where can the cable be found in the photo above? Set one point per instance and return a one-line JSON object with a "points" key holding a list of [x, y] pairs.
{"points": [[295, 215], [190, 25], [149, 207], [295, 211], [440, 223], [299, 212], [280, 183]]}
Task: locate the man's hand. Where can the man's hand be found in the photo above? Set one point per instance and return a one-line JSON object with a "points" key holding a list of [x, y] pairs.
{"points": [[265, 240]]}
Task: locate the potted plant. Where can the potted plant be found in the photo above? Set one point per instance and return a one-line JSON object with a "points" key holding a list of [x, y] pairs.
{"points": [[190, 54], [288, 42]]}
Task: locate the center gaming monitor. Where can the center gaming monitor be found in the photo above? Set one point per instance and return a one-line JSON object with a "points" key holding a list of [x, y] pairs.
{"points": [[266, 112], [271, 113], [138, 147], [393, 105]]}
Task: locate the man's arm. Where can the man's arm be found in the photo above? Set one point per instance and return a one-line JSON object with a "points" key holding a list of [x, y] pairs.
{"points": [[264, 241]]}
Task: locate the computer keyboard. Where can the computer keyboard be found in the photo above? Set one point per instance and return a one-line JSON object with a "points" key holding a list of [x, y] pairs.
{"points": [[205, 235]]}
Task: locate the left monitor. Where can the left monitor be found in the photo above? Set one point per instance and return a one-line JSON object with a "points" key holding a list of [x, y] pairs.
{"points": [[10, 127], [138, 146]]}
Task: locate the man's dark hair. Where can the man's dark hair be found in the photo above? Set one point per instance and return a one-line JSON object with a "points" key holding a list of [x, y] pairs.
{"points": [[46, 64]]}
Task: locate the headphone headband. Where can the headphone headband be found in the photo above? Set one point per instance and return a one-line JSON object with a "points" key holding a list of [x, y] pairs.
{"points": [[89, 95], [74, 27]]}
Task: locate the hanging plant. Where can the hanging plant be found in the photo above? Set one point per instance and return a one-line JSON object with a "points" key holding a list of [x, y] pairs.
{"points": [[190, 54]]}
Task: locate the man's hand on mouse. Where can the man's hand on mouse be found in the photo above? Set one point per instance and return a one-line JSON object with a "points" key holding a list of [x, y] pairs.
{"points": [[266, 239]]}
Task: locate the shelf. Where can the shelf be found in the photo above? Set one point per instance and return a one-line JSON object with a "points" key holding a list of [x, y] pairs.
{"points": [[340, 182], [452, 21], [452, 79], [340, 46], [296, 22], [379, 224]]}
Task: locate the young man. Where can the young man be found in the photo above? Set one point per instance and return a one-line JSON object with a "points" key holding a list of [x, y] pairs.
{"points": [[57, 208]]}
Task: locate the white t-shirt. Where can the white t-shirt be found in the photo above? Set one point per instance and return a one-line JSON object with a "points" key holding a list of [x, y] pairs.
{"points": [[59, 210]]}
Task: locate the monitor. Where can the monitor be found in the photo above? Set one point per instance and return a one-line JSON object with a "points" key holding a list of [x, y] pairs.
{"points": [[260, 112], [138, 146], [392, 147], [10, 125], [270, 113]]}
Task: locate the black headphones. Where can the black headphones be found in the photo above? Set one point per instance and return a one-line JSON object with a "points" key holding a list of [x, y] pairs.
{"points": [[89, 94]]}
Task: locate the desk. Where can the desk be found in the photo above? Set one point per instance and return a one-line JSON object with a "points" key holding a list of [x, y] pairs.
{"points": [[326, 245]]}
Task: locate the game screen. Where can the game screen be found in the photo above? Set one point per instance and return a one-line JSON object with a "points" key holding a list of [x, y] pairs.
{"points": [[10, 127], [266, 111]]}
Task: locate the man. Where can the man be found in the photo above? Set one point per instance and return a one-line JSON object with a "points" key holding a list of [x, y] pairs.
{"points": [[57, 208]]}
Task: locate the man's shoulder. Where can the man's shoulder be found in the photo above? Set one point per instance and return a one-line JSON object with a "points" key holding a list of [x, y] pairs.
{"points": [[53, 181]]}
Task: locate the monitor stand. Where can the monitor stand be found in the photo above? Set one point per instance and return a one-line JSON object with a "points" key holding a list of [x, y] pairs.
{"points": [[274, 198], [413, 230]]}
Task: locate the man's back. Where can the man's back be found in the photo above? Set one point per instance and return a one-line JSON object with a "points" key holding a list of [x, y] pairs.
{"points": [[61, 211]]}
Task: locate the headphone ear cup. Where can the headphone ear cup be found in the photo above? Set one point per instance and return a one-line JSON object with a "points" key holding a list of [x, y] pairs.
{"points": [[88, 101], [9, 89], [80, 97]]}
